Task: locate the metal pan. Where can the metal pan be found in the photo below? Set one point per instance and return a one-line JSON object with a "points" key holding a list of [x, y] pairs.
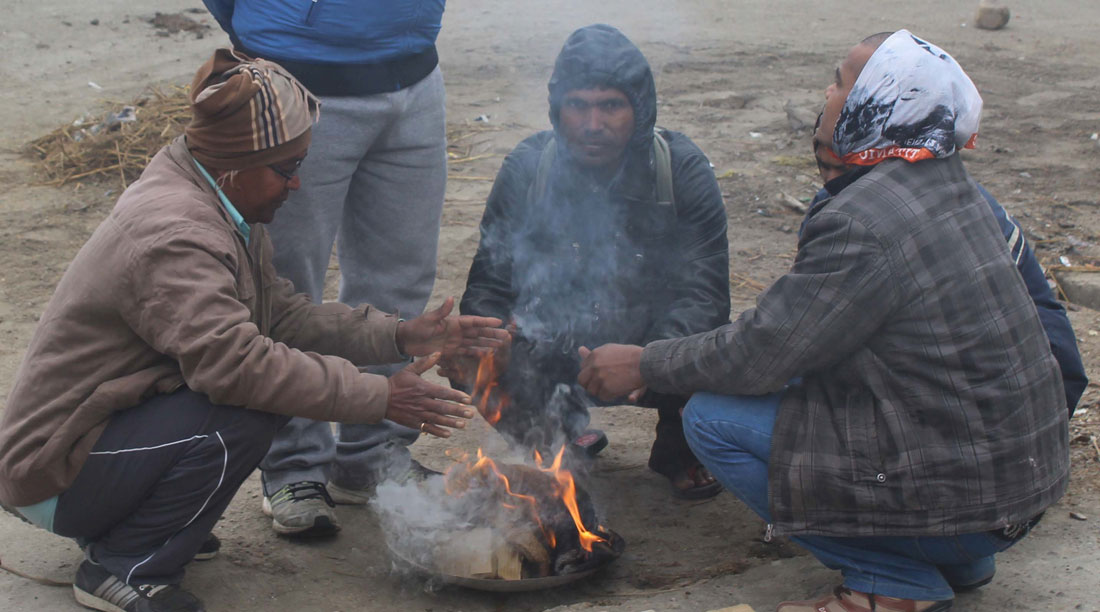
{"points": [[517, 586]]}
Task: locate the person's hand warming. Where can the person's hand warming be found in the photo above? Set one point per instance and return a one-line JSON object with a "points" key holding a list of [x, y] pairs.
{"points": [[463, 335], [419, 404]]}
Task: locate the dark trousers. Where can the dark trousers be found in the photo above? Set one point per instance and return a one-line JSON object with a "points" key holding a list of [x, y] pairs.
{"points": [[158, 479]]}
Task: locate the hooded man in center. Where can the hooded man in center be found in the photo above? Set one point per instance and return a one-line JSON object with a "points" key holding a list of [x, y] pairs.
{"points": [[604, 229]]}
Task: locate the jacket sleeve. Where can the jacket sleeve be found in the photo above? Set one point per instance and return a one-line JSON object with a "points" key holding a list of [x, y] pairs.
{"points": [[837, 293], [489, 291], [187, 307], [701, 289], [363, 335], [1059, 330]]}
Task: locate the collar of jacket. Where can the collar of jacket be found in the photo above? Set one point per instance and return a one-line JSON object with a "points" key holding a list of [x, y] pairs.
{"points": [[830, 191], [838, 184], [234, 214], [181, 156]]}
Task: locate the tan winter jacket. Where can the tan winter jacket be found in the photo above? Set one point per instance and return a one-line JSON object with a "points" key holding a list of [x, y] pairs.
{"points": [[164, 294]]}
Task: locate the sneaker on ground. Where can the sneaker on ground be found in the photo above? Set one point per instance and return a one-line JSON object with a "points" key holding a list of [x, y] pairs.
{"points": [[209, 548], [98, 589], [354, 496], [302, 509]]}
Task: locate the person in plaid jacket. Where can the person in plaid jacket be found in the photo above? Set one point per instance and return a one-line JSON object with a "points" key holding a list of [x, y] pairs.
{"points": [[892, 401]]}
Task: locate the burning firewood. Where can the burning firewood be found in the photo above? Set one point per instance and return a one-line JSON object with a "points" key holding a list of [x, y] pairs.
{"points": [[467, 553], [486, 520], [530, 546], [485, 552], [538, 514], [507, 563]]}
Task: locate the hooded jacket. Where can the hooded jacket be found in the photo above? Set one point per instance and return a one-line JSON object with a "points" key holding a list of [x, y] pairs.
{"points": [[167, 293], [589, 262]]}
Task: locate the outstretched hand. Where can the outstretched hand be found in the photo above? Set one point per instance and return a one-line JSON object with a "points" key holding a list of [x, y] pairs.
{"points": [[612, 371], [417, 403], [464, 335]]}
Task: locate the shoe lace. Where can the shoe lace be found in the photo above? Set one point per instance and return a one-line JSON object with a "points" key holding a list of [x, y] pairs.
{"points": [[301, 491], [149, 590]]}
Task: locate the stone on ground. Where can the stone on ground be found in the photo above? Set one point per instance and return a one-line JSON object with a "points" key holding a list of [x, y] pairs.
{"points": [[990, 16]]}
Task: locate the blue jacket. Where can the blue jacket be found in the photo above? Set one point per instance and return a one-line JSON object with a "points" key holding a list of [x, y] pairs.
{"points": [[1063, 343], [338, 47]]}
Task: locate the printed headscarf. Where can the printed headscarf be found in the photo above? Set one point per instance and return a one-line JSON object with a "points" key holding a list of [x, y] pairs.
{"points": [[912, 101], [248, 112]]}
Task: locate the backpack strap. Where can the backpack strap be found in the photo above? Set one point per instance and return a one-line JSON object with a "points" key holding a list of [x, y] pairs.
{"points": [[661, 155], [663, 160], [546, 161]]}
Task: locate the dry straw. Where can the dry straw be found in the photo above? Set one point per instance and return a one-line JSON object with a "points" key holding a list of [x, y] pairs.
{"points": [[87, 150], [74, 152]]}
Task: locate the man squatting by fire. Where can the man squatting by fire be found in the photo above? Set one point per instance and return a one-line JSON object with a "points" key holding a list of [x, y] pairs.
{"points": [[600, 230], [171, 353], [891, 402], [1063, 343]]}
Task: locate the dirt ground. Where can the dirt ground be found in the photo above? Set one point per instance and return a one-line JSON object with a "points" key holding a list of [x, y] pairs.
{"points": [[725, 71]]}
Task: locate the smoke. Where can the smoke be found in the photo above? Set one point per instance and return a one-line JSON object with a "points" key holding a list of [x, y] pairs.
{"points": [[425, 521], [416, 515]]}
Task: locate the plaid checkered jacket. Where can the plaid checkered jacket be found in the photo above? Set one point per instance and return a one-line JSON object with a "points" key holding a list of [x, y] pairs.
{"points": [[929, 401]]}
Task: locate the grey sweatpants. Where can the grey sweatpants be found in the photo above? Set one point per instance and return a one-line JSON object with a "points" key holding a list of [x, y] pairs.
{"points": [[373, 183]]}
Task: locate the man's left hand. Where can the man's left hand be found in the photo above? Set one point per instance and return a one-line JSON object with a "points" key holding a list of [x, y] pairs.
{"points": [[611, 371], [464, 335]]}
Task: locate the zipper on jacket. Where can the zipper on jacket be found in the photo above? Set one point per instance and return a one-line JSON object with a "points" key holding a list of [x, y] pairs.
{"points": [[262, 309], [312, 8], [769, 533]]}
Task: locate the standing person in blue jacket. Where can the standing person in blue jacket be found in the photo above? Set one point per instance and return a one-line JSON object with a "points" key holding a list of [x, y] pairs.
{"points": [[1063, 342], [373, 184]]}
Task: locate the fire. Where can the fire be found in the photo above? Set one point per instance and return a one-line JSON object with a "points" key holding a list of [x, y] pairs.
{"points": [[487, 468], [568, 494], [482, 468], [488, 396], [491, 400]]}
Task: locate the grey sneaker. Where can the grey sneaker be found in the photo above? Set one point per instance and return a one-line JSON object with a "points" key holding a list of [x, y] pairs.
{"points": [[302, 509], [98, 589], [353, 496]]}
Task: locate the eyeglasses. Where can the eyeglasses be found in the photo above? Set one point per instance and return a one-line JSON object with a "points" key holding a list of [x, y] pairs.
{"points": [[288, 174]]}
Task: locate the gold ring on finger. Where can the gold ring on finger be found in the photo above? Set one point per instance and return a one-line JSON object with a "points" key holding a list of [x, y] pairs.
{"points": [[423, 425]]}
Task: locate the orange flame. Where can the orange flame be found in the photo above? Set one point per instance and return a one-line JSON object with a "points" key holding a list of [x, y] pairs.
{"points": [[489, 398], [568, 494], [487, 468]]}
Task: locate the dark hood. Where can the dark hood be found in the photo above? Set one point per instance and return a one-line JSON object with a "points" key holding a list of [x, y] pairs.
{"points": [[600, 55]]}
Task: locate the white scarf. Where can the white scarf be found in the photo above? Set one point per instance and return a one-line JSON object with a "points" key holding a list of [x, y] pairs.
{"points": [[912, 101]]}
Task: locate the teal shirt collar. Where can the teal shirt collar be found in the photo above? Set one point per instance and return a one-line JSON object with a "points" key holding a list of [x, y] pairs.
{"points": [[245, 229]]}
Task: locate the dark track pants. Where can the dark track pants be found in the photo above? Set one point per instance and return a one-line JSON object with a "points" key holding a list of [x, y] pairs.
{"points": [[158, 479]]}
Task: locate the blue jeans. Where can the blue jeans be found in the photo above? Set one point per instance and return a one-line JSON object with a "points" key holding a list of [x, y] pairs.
{"points": [[732, 436]]}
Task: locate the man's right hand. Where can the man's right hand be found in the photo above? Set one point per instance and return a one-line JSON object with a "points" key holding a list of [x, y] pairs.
{"points": [[417, 403], [463, 369]]}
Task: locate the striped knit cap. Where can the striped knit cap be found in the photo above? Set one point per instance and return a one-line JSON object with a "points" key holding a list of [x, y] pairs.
{"points": [[247, 113]]}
